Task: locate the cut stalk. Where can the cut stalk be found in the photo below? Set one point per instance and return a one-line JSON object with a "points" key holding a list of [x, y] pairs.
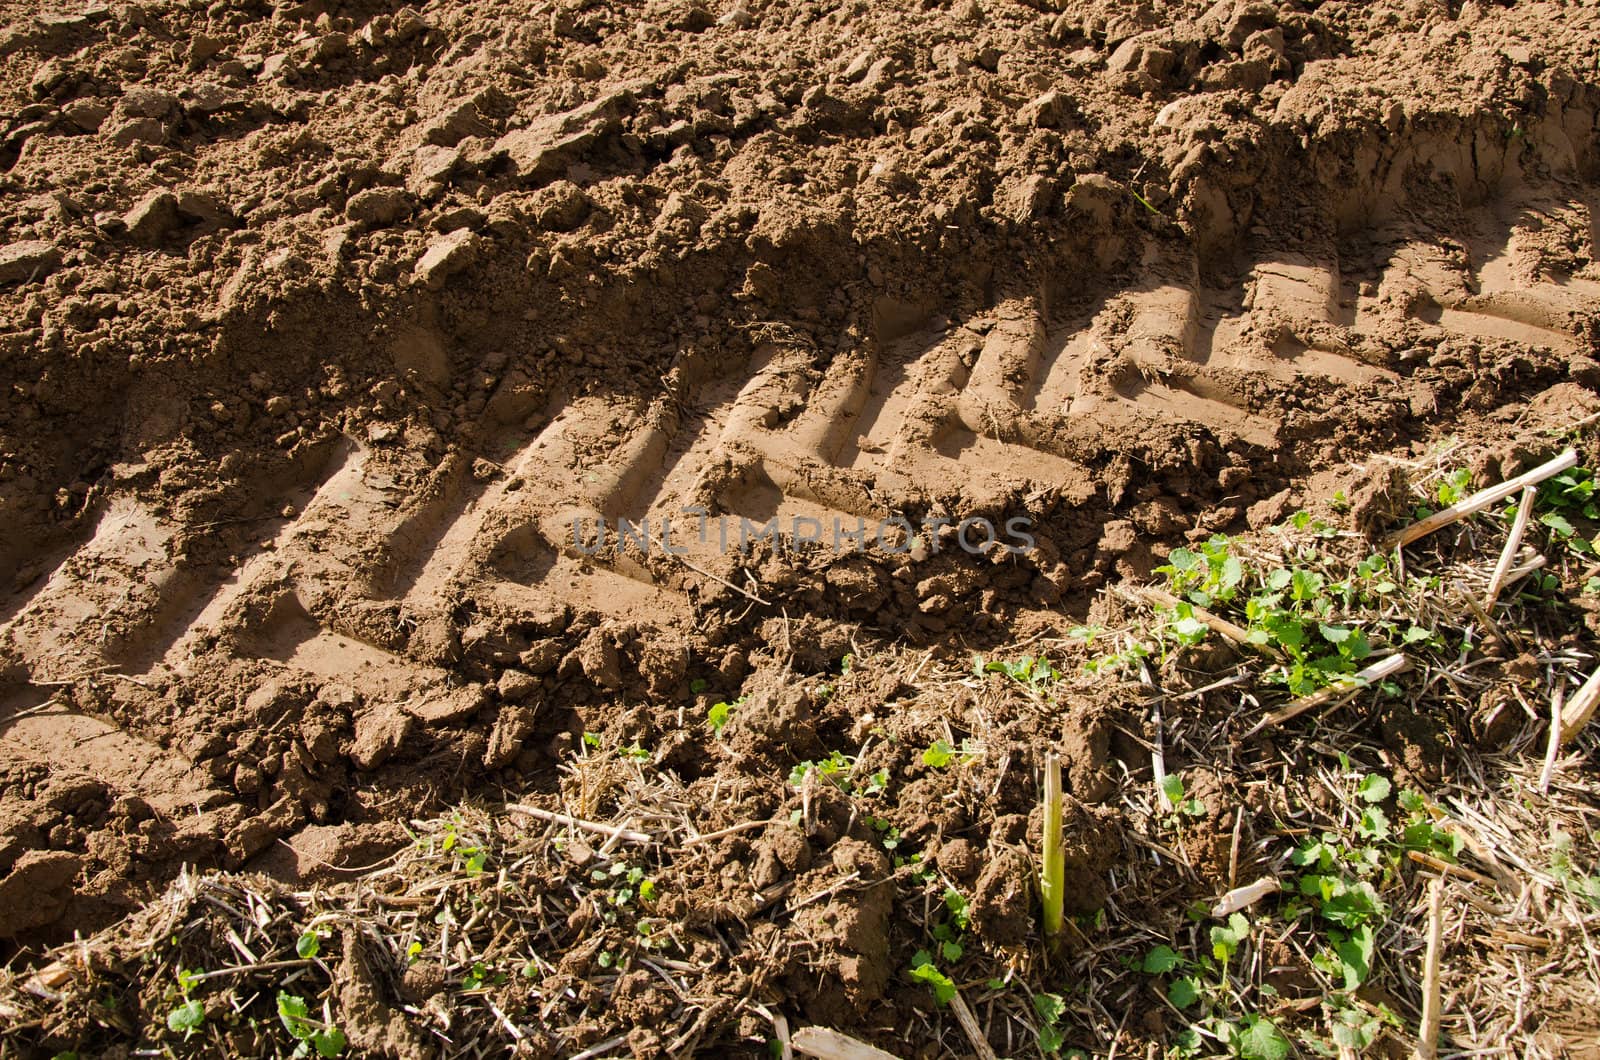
{"points": [[1579, 709], [1052, 866], [1384, 667], [1428, 1031], [1513, 541], [1480, 500]]}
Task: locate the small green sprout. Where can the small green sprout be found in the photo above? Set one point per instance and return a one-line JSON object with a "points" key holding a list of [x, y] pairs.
{"points": [[719, 714], [187, 1017], [925, 971], [323, 1036], [1172, 788], [1049, 1008], [940, 754]]}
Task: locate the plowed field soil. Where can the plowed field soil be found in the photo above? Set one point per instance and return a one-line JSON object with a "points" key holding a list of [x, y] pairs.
{"points": [[333, 334]]}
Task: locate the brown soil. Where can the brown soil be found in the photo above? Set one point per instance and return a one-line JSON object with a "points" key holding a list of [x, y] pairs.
{"points": [[321, 323]]}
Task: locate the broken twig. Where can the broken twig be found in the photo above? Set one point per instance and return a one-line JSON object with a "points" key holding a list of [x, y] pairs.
{"points": [[1428, 1032], [1480, 500], [1580, 708], [1502, 568], [831, 1045], [614, 831], [1385, 667]]}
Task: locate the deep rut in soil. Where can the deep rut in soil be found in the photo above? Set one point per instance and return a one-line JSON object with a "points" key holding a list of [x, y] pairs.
{"points": [[382, 622]]}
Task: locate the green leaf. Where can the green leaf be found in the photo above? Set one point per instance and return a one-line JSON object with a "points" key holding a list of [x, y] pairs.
{"points": [[956, 903], [717, 717], [330, 1042], [309, 945], [1307, 585], [1161, 960], [1190, 630], [1334, 634], [1172, 788], [1232, 574], [1349, 905], [1049, 1007], [941, 985], [1354, 1029], [1558, 524], [187, 1017], [1260, 1039], [1416, 634], [938, 754], [1183, 992], [1374, 823], [1225, 939], [1355, 956], [293, 1012], [1373, 788], [951, 951]]}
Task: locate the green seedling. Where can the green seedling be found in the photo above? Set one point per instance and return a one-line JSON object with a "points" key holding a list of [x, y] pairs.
{"points": [[949, 931], [719, 714], [465, 856], [1087, 634], [1049, 1008], [625, 883], [888, 834], [1305, 522], [1562, 867], [837, 769], [480, 976], [189, 1016], [1030, 671], [319, 1035], [940, 754], [1172, 788], [923, 970], [1211, 576], [1561, 500], [1254, 1038], [1454, 487]]}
